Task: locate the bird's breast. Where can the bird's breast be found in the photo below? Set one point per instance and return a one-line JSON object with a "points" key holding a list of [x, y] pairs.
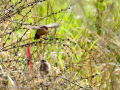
{"points": [[41, 31]]}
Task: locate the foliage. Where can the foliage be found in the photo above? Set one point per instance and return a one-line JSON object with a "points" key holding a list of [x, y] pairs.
{"points": [[83, 52]]}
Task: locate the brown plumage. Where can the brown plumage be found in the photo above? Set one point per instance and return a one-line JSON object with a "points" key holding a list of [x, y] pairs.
{"points": [[44, 68], [41, 30]]}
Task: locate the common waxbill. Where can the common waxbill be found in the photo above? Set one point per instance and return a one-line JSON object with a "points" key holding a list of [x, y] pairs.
{"points": [[41, 30]]}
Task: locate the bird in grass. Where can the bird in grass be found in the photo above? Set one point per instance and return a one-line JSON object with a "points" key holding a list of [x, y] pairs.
{"points": [[44, 68], [41, 30]]}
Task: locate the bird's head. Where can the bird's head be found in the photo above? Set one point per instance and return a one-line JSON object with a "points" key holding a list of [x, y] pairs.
{"points": [[44, 27]]}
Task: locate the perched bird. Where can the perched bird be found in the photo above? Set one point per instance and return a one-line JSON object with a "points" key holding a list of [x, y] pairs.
{"points": [[44, 68], [41, 30]]}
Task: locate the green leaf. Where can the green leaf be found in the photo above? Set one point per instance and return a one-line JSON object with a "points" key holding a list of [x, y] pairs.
{"points": [[93, 43]]}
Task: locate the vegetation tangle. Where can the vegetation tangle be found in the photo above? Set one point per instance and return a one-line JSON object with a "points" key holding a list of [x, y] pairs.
{"points": [[80, 53]]}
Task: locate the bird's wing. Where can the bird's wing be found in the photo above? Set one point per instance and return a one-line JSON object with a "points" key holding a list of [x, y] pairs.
{"points": [[52, 25], [33, 27]]}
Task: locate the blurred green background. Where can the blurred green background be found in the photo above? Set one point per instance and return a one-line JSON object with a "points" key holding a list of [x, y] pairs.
{"points": [[87, 51]]}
